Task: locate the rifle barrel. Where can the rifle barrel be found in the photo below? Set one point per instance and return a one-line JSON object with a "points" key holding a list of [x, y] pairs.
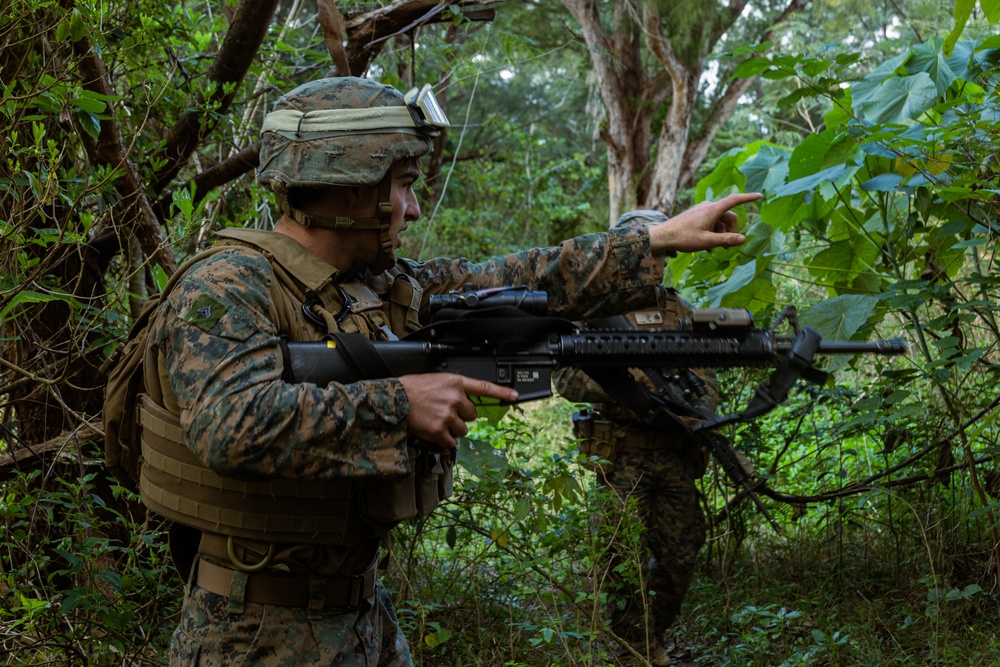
{"points": [[890, 347]]}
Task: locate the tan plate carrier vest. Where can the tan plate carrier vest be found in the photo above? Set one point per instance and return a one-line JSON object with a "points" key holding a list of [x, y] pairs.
{"points": [[177, 485], [601, 438]]}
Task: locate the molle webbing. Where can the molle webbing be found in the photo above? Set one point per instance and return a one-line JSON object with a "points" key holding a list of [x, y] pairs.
{"points": [[176, 485], [404, 303], [601, 433]]}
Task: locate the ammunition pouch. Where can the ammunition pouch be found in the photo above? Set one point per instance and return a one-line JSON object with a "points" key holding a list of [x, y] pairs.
{"points": [[390, 501], [176, 485], [605, 440]]}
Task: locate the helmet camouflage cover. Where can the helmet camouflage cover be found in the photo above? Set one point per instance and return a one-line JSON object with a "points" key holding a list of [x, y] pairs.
{"points": [[338, 131]]}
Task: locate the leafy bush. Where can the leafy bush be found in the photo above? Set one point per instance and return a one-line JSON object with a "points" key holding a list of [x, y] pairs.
{"points": [[86, 584]]}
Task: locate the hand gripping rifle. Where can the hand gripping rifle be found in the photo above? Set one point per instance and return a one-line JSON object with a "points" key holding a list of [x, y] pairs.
{"points": [[505, 336]]}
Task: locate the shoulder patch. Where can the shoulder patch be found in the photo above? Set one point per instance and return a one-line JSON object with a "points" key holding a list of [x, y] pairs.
{"points": [[205, 312]]}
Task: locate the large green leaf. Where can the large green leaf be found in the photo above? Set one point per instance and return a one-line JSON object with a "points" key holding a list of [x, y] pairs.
{"points": [[929, 58], [846, 264], [725, 174], [822, 150], [991, 9], [740, 277], [899, 99], [480, 457], [785, 213], [959, 58], [766, 171], [757, 295], [890, 182], [963, 10], [809, 183], [840, 318], [867, 89], [762, 240], [29, 296]]}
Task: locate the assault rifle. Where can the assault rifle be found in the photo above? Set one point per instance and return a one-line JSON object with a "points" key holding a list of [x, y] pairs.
{"points": [[505, 335]]}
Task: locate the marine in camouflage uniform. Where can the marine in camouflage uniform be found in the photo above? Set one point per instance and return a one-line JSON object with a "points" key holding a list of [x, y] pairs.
{"points": [[288, 491], [650, 479]]}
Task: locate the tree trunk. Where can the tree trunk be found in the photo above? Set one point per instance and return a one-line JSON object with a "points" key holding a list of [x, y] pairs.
{"points": [[642, 173]]}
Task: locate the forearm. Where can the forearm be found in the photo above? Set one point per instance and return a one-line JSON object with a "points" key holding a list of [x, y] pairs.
{"points": [[587, 276]]}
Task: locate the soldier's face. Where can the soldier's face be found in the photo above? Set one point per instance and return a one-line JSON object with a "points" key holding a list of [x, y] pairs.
{"points": [[659, 263], [405, 207]]}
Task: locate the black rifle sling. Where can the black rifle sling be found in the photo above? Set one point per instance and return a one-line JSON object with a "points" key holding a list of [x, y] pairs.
{"points": [[797, 363], [619, 384], [360, 354]]}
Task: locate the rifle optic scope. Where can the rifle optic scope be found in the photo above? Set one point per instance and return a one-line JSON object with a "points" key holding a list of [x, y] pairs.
{"points": [[532, 302]]}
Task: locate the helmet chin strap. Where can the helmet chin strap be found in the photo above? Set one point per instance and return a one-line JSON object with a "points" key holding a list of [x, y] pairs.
{"points": [[382, 220], [387, 255]]}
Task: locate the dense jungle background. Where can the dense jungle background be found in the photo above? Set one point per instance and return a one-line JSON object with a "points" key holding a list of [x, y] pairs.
{"points": [[872, 128]]}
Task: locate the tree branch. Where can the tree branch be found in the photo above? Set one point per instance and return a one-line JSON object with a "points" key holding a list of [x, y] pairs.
{"points": [[726, 20], [137, 216], [723, 109], [659, 45], [334, 34], [366, 31], [217, 175], [586, 15], [238, 50]]}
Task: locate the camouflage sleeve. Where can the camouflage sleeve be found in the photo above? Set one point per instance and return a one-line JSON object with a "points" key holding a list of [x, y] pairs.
{"points": [[220, 350], [588, 276]]}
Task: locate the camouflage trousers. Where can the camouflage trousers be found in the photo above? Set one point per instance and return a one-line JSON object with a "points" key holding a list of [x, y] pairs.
{"points": [[655, 488], [217, 631]]}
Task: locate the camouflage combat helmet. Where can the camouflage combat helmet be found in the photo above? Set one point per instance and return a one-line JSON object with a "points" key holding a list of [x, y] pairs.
{"points": [[344, 131]]}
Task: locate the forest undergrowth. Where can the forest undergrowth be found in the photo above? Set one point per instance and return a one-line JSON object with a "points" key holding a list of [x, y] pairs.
{"points": [[901, 577], [505, 572]]}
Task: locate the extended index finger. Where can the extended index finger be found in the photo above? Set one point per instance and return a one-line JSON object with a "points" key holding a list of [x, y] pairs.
{"points": [[736, 199], [474, 387]]}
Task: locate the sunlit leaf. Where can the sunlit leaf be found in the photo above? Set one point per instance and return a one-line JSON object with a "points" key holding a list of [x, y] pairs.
{"points": [[766, 171], [740, 277], [883, 183], [929, 58], [840, 318], [900, 99], [809, 183]]}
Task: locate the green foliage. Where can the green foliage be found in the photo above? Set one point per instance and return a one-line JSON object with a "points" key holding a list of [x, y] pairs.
{"points": [[510, 571], [519, 169], [881, 221], [963, 10], [885, 212], [77, 596]]}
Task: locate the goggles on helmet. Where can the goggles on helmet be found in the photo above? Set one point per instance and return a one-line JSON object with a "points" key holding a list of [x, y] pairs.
{"points": [[422, 113], [423, 103]]}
